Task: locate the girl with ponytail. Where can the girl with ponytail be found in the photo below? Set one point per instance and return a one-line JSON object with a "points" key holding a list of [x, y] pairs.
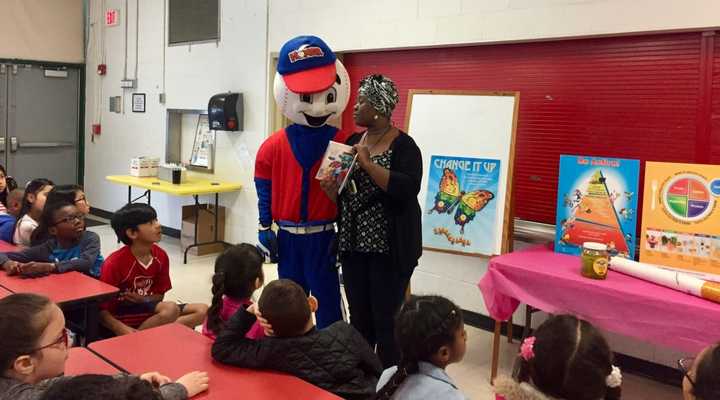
{"points": [[238, 273], [567, 359], [431, 335]]}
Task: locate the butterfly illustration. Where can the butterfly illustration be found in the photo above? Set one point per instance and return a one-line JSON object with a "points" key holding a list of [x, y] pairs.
{"points": [[450, 198]]}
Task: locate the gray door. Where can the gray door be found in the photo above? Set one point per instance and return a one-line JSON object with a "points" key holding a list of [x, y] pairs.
{"points": [[39, 112]]}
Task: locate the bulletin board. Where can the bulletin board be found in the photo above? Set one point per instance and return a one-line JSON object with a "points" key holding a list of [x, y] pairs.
{"points": [[467, 140]]}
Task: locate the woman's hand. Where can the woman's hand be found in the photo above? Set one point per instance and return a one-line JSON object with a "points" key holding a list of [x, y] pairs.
{"points": [[363, 155], [194, 382], [330, 186]]}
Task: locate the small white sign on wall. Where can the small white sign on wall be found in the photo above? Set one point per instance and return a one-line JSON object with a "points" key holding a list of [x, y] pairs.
{"points": [[138, 102]]}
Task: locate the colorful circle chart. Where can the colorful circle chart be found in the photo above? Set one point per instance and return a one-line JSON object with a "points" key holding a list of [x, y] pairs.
{"points": [[688, 197]]}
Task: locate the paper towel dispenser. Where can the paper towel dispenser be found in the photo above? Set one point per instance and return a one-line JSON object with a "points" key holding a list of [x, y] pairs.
{"points": [[225, 112]]}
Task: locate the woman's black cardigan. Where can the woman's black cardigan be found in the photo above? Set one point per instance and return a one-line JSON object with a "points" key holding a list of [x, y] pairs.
{"points": [[401, 203]]}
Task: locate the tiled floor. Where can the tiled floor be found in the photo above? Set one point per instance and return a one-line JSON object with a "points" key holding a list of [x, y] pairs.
{"points": [[191, 283]]}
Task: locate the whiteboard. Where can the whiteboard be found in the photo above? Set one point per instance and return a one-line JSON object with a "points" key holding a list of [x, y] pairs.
{"points": [[468, 124]]}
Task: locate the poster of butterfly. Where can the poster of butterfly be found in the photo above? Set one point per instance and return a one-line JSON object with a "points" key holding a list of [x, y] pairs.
{"points": [[597, 202], [460, 211]]}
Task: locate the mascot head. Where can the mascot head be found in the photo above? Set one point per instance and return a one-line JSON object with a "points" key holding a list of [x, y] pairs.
{"points": [[311, 85]]}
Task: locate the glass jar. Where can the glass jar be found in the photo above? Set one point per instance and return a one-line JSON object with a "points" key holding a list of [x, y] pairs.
{"points": [[595, 260]]}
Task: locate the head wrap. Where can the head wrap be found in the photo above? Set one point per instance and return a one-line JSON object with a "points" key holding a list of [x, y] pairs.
{"points": [[381, 92]]}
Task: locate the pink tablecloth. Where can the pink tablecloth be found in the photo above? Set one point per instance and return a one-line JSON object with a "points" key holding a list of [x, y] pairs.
{"points": [[552, 282]]}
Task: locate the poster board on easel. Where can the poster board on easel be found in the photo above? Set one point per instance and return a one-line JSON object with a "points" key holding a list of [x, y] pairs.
{"points": [[467, 140]]}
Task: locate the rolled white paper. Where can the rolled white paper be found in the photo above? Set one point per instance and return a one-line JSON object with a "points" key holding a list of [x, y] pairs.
{"points": [[673, 279]]}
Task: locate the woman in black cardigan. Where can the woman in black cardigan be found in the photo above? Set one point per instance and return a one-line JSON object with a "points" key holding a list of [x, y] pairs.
{"points": [[379, 233]]}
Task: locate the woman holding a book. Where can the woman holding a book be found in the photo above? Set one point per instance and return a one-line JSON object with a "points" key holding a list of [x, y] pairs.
{"points": [[379, 216]]}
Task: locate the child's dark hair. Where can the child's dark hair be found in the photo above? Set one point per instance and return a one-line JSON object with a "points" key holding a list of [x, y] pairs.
{"points": [[423, 326], [572, 360], [236, 271], [10, 185], [285, 305], [21, 325], [131, 216], [33, 187], [106, 387], [63, 193], [41, 234], [707, 384]]}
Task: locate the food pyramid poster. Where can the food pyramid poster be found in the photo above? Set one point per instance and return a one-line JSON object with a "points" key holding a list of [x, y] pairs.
{"points": [[681, 220], [597, 202]]}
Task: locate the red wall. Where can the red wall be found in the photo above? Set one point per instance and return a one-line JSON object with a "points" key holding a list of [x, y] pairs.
{"points": [[645, 97]]}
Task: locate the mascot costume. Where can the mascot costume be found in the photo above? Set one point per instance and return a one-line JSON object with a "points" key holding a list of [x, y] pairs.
{"points": [[311, 86]]}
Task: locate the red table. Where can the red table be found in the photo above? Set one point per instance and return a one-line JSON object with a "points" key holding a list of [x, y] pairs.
{"points": [[6, 247], [70, 290], [83, 361], [175, 350], [64, 289], [622, 304]]}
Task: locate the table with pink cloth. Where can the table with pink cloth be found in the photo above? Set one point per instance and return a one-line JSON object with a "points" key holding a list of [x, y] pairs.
{"points": [[623, 304]]}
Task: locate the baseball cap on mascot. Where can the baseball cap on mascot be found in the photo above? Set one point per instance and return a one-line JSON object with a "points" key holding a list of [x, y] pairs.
{"points": [[311, 84]]}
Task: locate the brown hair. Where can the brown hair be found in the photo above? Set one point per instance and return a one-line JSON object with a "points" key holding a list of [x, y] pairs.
{"points": [[21, 325], [285, 305]]}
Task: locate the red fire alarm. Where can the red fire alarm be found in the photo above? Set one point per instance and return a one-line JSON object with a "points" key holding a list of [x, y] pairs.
{"points": [[112, 17], [96, 129], [102, 69]]}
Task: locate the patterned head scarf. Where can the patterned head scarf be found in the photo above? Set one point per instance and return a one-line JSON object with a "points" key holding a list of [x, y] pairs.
{"points": [[381, 92]]}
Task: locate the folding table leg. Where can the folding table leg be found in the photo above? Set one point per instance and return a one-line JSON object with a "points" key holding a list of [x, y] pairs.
{"points": [[510, 329], [495, 351], [92, 322]]}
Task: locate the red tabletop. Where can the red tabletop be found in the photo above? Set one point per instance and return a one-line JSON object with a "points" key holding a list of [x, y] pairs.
{"points": [[174, 350], [68, 287], [6, 247], [83, 361], [623, 304]]}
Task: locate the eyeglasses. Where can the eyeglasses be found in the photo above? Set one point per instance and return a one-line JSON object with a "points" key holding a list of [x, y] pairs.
{"points": [[685, 365], [64, 339], [71, 219]]}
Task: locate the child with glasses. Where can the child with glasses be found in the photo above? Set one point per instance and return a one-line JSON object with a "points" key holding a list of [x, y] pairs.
{"points": [[72, 194], [69, 247], [34, 349], [700, 375]]}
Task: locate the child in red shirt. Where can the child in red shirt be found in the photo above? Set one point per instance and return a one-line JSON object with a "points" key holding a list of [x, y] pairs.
{"points": [[141, 270]]}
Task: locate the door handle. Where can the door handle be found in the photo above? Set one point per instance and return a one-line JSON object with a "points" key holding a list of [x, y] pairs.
{"points": [[13, 144], [37, 145], [2, 144]]}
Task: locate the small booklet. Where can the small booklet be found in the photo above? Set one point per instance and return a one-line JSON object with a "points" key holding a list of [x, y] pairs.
{"points": [[337, 163]]}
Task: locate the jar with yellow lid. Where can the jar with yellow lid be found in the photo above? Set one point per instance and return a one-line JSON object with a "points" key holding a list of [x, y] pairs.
{"points": [[595, 260]]}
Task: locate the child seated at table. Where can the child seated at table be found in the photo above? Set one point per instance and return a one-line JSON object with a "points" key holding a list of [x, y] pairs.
{"points": [[238, 273], [700, 375], [7, 185], [32, 208], [337, 358], [13, 200], [70, 247], [72, 194], [567, 358], [431, 335], [141, 270], [34, 349]]}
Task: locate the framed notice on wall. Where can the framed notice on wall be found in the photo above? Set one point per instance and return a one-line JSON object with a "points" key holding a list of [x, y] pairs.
{"points": [[138, 102]]}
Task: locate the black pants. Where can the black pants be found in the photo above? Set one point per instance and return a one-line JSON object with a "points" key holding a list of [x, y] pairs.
{"points": [[375, 290]]}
